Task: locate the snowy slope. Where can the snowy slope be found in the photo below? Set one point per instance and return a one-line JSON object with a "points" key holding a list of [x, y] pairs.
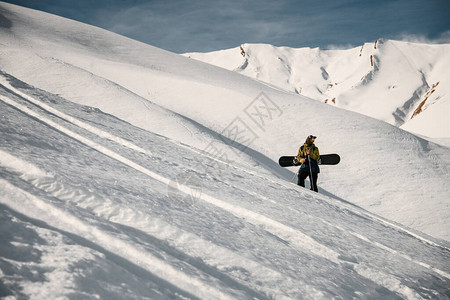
{"points": [[194, 103], [404, 84], [130, 172], [86, 215]]}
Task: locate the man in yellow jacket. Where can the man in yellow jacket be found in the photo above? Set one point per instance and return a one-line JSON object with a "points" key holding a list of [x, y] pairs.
{"points": [[308, 155]]}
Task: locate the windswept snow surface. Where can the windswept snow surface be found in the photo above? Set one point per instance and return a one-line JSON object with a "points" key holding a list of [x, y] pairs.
{"points": [[130, 172], [405, 84], [85, 215]]}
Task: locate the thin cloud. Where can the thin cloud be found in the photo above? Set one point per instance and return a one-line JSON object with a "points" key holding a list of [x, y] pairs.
{"points": [[444, 38], [341, 47]]}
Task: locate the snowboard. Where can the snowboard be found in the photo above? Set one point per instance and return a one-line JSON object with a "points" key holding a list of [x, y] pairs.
{"points": [[325, 159]]}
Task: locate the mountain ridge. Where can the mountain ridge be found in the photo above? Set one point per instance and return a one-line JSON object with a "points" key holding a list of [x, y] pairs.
{"points": [[402, 83]]}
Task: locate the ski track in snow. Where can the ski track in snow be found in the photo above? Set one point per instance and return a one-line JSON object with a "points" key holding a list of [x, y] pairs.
{"points": [[277, 228], [154, 264], [191, 284], [74, 121], [128, 144], [186, 189]]}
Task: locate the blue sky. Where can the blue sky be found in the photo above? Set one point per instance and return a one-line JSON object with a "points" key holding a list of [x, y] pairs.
{"points": [[202, 25]]}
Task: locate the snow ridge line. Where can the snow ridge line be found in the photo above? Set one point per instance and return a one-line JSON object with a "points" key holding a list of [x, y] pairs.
{"points": [[295, 236], [374, 243], [162, 268], [87, 127], [83, 140], [178, 238], [301, 239], [132, 146], [107, 135], [390, 250], [277, 228], [355, 209], [365, 213], [152, 263], [316, 248]]}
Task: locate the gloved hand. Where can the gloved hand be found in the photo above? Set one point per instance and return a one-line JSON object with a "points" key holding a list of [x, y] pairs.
{"points": [[296, 162]]}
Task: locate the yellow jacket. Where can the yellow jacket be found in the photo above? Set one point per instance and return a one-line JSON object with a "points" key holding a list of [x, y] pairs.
{"points": [[313, 152], [314, 156]]}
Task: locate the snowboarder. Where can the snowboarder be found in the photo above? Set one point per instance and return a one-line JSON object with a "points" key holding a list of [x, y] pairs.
{"points": [[308, 155]]}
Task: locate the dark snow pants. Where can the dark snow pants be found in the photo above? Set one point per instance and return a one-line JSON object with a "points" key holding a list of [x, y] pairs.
{"points": [[302, 176]]}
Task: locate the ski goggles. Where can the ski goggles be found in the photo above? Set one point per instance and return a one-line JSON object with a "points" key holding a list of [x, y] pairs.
{"points": [[311, 137]]}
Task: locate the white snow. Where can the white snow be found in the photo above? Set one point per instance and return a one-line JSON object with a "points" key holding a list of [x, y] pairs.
{"points": [[387, 80], [129, 172]]}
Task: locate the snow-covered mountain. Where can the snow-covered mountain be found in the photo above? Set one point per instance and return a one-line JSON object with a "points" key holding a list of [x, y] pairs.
{"points": [[405, 84], [127, 171]]}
